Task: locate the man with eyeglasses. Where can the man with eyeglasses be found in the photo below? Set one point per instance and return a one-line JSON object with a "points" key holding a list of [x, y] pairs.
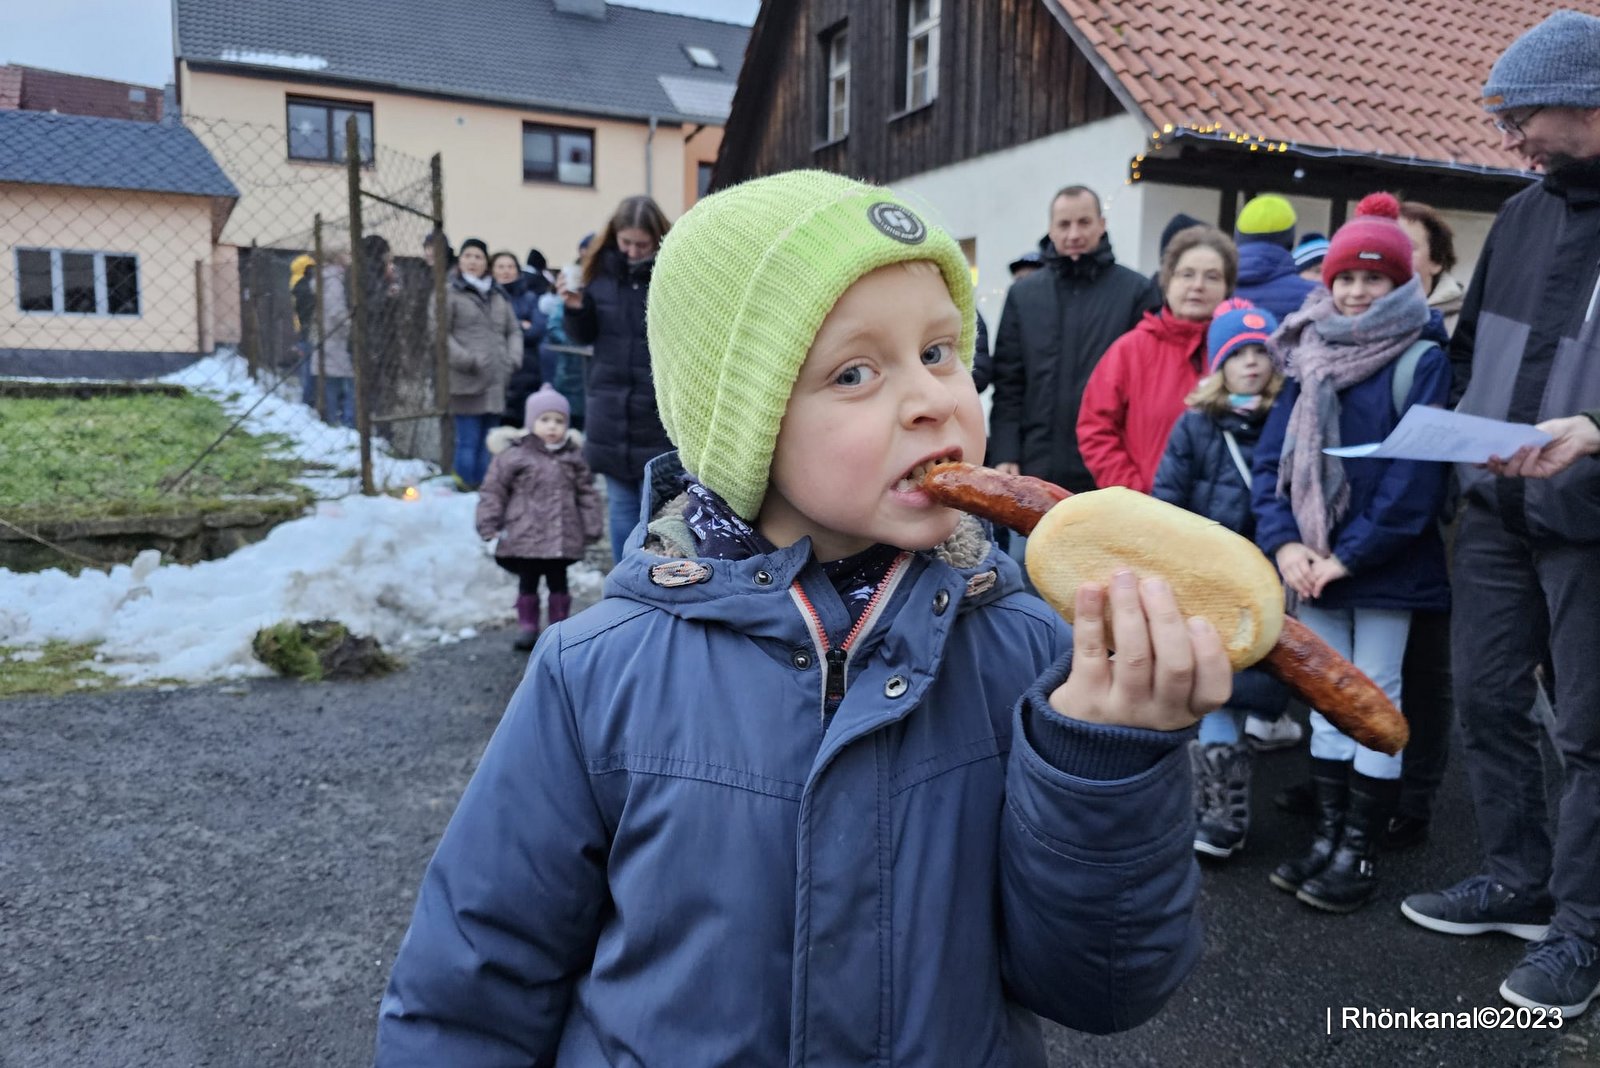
{"points": [[1527, 556]]}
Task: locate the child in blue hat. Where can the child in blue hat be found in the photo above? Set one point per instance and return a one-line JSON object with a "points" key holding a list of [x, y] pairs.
{"points": [[1206, 469]]}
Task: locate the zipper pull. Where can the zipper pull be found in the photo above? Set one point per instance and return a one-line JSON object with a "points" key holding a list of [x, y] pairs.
{"points": [[834, 691]]}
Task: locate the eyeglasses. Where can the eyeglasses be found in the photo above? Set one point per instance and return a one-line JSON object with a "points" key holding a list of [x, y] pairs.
{"points": [[1514, 127]]}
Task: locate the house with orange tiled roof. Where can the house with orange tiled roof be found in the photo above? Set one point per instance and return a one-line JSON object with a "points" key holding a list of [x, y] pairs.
{"points": [[982, 110]]}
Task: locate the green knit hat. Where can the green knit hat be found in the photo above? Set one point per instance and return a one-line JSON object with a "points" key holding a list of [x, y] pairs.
{"points": [[741, 286]]}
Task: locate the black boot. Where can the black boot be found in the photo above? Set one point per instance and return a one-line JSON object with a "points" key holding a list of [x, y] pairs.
{"points": [[1330, 784], [1349, 879]]}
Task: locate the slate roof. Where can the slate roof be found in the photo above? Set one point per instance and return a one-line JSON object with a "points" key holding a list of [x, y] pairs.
{"points": [[520, 52], [1398, 79], [40, 148]]}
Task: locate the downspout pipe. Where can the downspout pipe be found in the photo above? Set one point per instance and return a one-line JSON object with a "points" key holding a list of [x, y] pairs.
{"points": [[649, 168]]}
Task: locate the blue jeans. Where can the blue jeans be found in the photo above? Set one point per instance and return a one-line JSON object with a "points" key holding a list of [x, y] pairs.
{"points": [[308, 358], [1374, 640], [472, 446], [622, 511], [341, 400]]}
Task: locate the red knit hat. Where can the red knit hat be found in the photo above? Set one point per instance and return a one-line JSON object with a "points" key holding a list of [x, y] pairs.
{"points": [[1372, 241]]}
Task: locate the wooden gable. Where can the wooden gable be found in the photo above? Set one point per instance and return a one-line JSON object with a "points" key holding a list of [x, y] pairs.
{"points": [[1008, 74]]}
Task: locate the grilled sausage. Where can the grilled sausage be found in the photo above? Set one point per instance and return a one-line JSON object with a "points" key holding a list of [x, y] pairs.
{"points": [[1307, 664]]}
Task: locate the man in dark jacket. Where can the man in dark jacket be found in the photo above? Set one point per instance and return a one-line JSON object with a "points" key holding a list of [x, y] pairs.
{"points": [[1527, 565], [1268, 277], [1055, 326]]}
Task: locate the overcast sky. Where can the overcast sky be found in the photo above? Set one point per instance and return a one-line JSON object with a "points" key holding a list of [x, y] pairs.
{"points": [[131, 40]]}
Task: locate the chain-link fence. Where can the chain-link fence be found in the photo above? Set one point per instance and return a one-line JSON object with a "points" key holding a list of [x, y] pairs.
{"points": [[297, 293]]}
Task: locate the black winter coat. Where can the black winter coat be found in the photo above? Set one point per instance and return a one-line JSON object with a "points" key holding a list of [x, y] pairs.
{"points": [[1199, 475], [621, 421], [1056, 325], [1527, 347]]}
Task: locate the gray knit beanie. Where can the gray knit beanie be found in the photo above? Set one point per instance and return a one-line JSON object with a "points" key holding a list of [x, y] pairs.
{"points": [[1555, 64]]}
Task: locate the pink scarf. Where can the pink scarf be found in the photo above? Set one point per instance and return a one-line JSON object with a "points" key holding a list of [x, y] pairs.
{"points": [[1329, 353]]}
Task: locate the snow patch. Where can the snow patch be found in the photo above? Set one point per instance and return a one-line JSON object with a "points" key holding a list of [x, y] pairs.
{"points": [[407, 572], [289, 61]]}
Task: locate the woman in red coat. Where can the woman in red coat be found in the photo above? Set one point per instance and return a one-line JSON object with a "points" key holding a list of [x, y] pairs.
{"points": [[1136, 392]]}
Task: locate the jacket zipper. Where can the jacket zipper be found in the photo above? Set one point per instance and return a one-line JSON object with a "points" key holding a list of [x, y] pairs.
{"points": [[836, 674]]}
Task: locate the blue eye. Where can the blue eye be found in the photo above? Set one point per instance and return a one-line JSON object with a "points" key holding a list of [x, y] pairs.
{"points": [[936, 354], [855, 375]]}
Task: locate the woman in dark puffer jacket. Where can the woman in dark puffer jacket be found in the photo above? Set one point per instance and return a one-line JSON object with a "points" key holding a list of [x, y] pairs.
{"points": [[622, 425]]}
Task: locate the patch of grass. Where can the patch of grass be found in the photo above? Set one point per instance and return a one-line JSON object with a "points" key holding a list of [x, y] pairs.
{"points": [[322, 648], [72, 459], [53, 669]]}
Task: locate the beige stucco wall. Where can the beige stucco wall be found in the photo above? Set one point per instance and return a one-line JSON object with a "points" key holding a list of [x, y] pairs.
{"points": [[169, 234], [481, 147]]}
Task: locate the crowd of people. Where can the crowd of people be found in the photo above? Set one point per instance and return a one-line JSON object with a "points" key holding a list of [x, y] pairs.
{"points": [[808, 688]]}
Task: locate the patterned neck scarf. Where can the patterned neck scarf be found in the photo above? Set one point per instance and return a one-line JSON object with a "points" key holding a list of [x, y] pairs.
{"points": [[722, 535], [1329, 353]]}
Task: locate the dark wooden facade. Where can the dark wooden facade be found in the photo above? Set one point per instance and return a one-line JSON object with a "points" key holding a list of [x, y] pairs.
{"points": [[1008, 74]]}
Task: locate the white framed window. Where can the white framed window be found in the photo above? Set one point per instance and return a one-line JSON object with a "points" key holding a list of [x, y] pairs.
{"points": [[922, 52], [838, 51], [55, 281]]}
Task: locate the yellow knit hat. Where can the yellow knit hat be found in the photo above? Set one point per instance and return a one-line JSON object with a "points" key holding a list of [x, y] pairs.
{"points": [[741, 286]]}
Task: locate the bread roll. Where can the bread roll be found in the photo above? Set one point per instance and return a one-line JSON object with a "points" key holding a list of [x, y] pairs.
{"points": [[1213, 572]]}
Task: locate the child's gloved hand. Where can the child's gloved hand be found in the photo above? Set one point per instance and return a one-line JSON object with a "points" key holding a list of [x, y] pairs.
{"points": [[1167, 671]]}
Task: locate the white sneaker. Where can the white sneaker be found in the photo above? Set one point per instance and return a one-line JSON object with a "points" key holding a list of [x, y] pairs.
{"points": [[1268, 734]]}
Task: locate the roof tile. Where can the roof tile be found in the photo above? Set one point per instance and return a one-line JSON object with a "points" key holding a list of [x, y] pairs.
{"points": [[1397, 79]]}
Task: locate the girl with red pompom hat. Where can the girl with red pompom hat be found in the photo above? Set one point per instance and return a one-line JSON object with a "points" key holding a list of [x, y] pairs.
{"points": [[1357, 540]]}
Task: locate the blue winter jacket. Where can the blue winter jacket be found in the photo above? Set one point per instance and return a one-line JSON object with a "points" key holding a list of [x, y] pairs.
{"points": [[668, 857], [1197, 472], [1389, 538], [1268, 278]]}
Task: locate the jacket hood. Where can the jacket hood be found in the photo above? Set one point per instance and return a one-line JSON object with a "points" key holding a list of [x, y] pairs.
{"points": [[1171, 330], [1261, 262], [661, 566], [1577, 182]]}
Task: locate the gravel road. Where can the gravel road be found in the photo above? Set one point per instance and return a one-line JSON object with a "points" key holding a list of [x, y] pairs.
{"points": [[221, 875]]}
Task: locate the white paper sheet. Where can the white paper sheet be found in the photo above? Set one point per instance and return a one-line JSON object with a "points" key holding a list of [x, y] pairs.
{"points": [[1426, 433]]}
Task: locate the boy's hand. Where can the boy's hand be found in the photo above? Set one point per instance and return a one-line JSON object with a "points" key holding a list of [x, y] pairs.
{"points": [[1167, 673]]}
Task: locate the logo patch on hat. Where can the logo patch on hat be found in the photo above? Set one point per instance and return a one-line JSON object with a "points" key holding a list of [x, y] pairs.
{"points": [[1254, 322], [1370, 256], [897, 222]]}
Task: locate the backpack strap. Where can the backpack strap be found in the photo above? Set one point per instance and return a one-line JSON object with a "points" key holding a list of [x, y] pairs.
{"points": [[1238, 457], [1405, 373]]}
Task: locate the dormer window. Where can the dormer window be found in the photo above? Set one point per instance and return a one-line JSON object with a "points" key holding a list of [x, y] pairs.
{"points": [[702, 57]]}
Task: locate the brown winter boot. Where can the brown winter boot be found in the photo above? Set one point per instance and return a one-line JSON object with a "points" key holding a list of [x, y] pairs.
{"points": [[528, 621]]}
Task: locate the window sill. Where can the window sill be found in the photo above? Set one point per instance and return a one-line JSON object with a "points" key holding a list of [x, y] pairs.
{"points": [[835, 143], [908, 112], [330, 164], [558, 183]]}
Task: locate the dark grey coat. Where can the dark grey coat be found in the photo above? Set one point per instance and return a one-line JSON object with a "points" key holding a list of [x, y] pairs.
{"points": [[1527, 346]]}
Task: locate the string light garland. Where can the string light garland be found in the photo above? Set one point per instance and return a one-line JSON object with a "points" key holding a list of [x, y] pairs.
{"points": [[1170, 133]]}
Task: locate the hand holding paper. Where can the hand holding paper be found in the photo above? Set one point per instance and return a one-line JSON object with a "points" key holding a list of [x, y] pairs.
{"points": [[1426, 433]]}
